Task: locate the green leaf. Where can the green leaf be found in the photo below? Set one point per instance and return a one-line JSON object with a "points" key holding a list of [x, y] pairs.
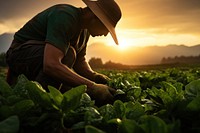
{"points": [[13, 99], [38, 94], [192, 90], [20, 87], [166, 98], [116, 121], [78, 126], [10, 125], [179, 87], [135, 92], [170, 89], [71, 98], [56, 95], [119, 109], [23, 106], [194, 105], [130, 126], [154, 95], [119, 92], [108, 112], [86, 100], [92, 116], [5, 89], [153, 124], [92, 129], [160, 96], [134, 111]]}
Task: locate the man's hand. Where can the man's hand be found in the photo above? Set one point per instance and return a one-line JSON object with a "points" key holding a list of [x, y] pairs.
{"points": [[102, 94], [100, 78]]}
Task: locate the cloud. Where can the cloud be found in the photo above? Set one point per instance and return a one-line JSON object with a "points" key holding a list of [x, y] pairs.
{"points": [[15, 13], [22, 8], [150, 16], [178, 16]]}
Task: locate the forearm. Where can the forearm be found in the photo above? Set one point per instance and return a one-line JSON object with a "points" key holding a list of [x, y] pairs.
{"points": [[84, 70], [67, 76]]}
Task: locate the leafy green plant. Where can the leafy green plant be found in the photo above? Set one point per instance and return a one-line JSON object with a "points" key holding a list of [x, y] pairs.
{"points": [[161, 101], [10, 125]]}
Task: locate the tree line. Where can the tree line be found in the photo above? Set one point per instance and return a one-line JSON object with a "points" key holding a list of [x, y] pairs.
{"points": [[97, 63], [176, 61], [181, 60]]}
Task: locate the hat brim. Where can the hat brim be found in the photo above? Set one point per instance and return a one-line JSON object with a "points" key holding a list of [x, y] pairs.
{"points": [[102, 17]]}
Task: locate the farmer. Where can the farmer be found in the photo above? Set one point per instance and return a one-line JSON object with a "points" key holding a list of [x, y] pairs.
{"points": [[51, 47]]}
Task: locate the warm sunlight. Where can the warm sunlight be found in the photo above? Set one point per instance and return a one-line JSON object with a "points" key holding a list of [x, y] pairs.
{"points": [[125, 43]]}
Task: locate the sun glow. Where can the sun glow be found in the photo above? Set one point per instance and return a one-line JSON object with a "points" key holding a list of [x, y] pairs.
{"points": [[125, 43]]}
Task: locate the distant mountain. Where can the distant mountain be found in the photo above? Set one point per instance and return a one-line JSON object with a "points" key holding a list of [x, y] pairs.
{"points": [[5, 41], [142, 55]]}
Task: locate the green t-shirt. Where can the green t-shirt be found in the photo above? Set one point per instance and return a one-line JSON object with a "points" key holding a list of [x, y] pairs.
{"points": [[59, 25]]}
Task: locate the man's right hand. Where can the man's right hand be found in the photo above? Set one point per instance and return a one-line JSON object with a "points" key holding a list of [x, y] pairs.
{"points": [[102, 94]]}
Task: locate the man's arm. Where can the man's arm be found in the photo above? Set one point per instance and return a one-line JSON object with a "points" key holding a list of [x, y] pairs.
{"points": [[53, 66]]}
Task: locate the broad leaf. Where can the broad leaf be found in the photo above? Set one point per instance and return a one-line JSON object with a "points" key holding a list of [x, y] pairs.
{"points": [[38, 94], [130, 126], [13, 99], [10, 125], [92, 116], [170, 89], [134, 111], [192, 90], [71, 98], [92, 129], [56, 95], [153, 124], [119, 109], [20, 87], [194, 105], [86, 100], [23, 107], [108, 112]]}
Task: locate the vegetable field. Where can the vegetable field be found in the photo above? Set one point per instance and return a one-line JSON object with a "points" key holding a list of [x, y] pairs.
{"points": [[153, 101]]}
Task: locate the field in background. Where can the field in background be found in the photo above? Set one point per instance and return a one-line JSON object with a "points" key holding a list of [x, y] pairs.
{"points": [[121, 67]]}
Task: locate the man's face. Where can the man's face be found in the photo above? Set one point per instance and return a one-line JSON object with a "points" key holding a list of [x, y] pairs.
{"points": [[97, 28]]}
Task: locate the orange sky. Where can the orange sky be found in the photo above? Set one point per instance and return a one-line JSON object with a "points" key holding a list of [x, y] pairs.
{"points": [[144, 22]]}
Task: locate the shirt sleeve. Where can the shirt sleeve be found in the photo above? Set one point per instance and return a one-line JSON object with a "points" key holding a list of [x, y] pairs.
{"points": [[58, 29]]}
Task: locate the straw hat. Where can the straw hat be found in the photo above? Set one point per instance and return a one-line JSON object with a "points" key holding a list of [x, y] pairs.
{"points": [[108, 12]]}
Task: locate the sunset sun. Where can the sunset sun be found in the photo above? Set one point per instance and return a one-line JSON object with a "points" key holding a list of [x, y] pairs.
{"points": [[124, 44]]}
